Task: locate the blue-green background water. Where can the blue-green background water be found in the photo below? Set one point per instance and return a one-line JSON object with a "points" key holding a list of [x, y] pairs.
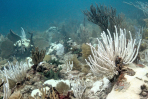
{"points": [[37, 15]]}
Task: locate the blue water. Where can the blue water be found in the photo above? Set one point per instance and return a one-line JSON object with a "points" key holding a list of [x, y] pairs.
{"points": [[37, 15]]}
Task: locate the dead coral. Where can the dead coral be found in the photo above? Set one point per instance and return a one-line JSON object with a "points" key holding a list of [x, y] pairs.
{"points": [[104, 16]]}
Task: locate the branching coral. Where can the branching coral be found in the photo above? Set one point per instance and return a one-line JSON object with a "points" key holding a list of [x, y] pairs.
{"points": [[103, 16], [16, 72], [37, 57], [7, 91], [103, 58], [140, 5], [79, 87]]}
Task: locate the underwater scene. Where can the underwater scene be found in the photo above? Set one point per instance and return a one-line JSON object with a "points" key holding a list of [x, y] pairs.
{"points": [[73, 49]]}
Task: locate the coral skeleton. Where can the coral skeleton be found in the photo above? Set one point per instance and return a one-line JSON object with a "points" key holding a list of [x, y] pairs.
{"points": [[78, 87], [69, 66], [16, 72], [104, 55]]}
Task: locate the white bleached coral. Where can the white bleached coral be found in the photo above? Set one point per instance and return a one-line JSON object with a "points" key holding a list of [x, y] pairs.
{"points": [[7, 91], [103, 58], [16, 72], [100, 85], [58, 47]]}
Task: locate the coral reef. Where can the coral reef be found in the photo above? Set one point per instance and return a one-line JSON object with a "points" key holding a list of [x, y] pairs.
{"points": [[75, 65]]}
